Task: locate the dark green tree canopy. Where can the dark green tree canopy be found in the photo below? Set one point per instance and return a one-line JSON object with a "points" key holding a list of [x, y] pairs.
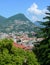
{"points": [[46, 24], [43, 49]]}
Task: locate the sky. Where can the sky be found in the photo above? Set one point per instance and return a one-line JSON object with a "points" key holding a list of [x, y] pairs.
{"points": [[33, 9]]}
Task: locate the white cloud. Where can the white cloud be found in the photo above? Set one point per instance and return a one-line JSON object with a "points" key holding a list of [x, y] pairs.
{"points": [[34, 9], [35, 13]]}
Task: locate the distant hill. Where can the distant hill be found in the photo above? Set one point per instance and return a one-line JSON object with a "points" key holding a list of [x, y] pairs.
{"points": [[16, 23], [2, 18], [2, 23], [19, 16]]}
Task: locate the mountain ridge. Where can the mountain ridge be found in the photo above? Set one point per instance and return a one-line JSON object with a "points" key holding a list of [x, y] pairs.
{"points": [[17, 23]]}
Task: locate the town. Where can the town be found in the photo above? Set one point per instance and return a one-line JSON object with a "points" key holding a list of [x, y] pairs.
{"points": [[22, 40]]}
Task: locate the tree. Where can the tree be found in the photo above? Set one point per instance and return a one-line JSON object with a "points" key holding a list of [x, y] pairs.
{"points": [[10, 55], [43, 49]]}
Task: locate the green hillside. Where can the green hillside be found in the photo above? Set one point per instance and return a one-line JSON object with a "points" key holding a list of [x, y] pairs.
{"points": [[2, 18], [17, 23], [19, 16]]}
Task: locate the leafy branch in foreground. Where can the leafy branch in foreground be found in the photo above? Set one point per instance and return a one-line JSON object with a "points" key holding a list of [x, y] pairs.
{"points": [[10, 55]]}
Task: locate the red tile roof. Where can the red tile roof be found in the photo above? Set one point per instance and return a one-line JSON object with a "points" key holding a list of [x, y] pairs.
{"points": [[22, 46], [19, 45]]}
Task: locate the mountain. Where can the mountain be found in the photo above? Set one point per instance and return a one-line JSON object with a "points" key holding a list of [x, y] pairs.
{"points": [[19, 16], [16, 23], [2, 24], [2, 18]]}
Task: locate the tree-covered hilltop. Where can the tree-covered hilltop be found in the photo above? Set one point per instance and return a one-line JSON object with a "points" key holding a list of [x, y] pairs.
{"points": [[43, 49], [2, 19], [10, 55], [19, 16]]}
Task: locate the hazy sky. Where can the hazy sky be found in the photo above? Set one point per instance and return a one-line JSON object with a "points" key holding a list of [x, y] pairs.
{"points": [[33, 9]]}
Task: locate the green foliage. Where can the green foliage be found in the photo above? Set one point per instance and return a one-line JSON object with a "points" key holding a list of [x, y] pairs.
{"points": [[10, 55], [43, 49]]}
